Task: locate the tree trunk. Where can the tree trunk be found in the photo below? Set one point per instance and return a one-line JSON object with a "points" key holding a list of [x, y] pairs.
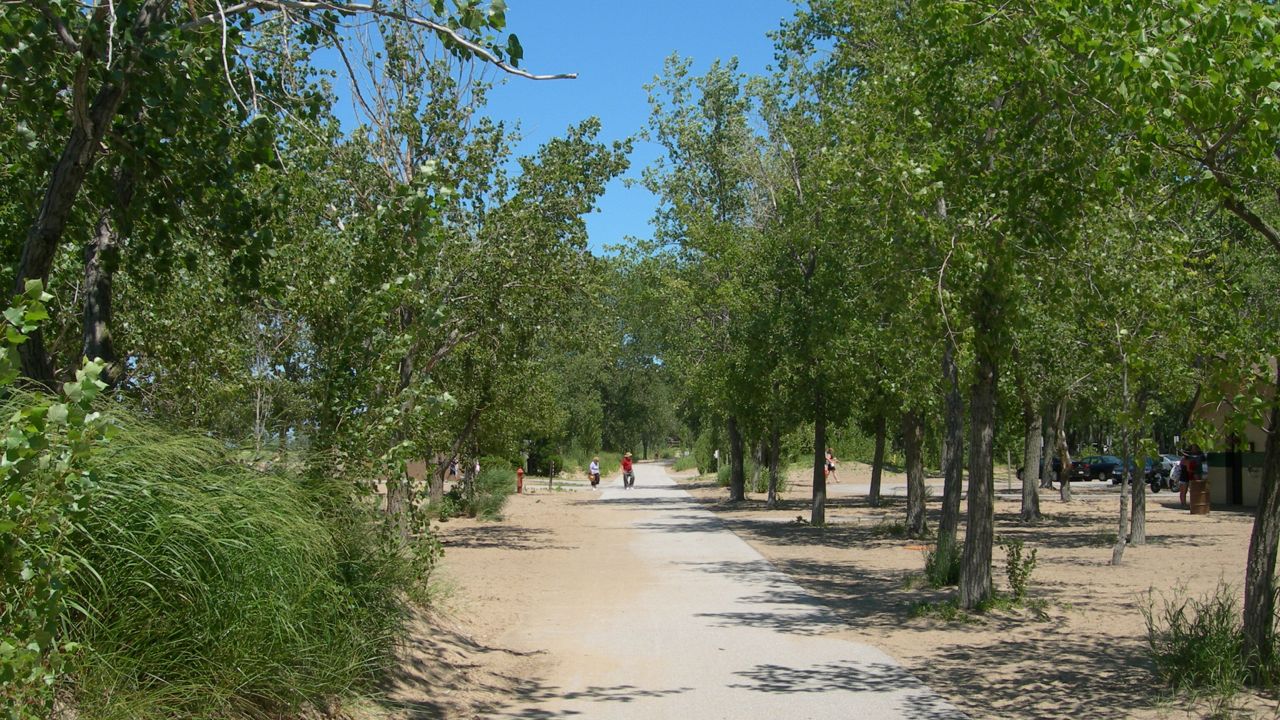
{"points": [[1048, 444], [913, 443], [737, 479], [77, 159], [775, 456], [101, 258], [400, 503], [818, 515], [1122, 530], [877, 462], [757, 454], [975, 568], [1138, 516], [436, 489], [1064, 455], [1259, 577], [952, 455], [1031, 464]]}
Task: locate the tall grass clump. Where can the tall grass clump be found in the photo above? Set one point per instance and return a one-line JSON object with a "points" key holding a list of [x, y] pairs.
{"points": [[942, 566], [1197, 644], [213, 590], [686, 462], [482, 496], [580, 460]]}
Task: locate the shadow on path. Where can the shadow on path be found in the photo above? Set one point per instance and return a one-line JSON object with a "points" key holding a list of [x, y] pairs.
{"points": [[853, 677]]}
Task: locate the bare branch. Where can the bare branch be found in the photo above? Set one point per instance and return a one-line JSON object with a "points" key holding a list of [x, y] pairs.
{"points": [[353, 9]]}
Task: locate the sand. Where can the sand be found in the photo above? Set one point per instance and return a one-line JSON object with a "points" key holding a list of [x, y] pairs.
{"points": [[492, 640]]}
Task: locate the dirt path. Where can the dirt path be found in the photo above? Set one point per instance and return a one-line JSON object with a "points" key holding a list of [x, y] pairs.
{"points": [[639, 604]]}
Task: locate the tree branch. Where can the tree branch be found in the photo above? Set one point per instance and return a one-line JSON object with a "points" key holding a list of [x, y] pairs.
{"points": [[1242, 211], [352, 9], [59, 27]]}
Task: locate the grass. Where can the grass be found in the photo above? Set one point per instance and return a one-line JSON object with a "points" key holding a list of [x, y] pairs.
{"points": [[1197, 644], [686, 462], [749, 474], [942, 569], [945, 610], [580, 460], [211, 590]]}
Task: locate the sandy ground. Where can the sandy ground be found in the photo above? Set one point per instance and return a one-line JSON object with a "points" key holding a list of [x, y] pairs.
{"points": [[1083, 658]]}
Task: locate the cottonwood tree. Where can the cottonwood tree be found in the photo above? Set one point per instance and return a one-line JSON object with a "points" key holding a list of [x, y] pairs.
{"points": [[1196, 83]]}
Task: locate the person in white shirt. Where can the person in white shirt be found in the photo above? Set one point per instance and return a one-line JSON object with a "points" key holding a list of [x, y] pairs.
{"points": [[594, 471]]}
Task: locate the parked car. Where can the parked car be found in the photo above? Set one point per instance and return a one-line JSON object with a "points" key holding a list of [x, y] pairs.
{"points": [[1080, 470], [1106, 467]]}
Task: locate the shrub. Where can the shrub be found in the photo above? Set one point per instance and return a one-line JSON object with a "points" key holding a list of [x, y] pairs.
{"points": [[704, 449], [484, 497], [942, 568], [1018, 567], [213, 590], [1197, 644], [686, 462]]}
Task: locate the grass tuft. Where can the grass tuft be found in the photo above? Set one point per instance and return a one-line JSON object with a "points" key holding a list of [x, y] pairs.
{"points": [[1197, 644], [208, 589]]}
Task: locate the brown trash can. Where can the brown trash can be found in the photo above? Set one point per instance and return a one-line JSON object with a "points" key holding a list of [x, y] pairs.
{"points": [[1199, 495]]}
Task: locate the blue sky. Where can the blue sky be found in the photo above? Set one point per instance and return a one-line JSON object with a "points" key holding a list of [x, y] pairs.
{"points": [[616, 47]]}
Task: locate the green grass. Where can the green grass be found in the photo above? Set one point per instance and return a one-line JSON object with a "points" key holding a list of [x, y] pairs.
{"points": [[580, 460], [1197, 644], [211, 590], [942, 569], [686, 462]]}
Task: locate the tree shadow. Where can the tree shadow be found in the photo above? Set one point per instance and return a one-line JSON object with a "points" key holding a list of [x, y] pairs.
{"points": [[849, 676], [438, 658], [1066, 678], [505, 537]]}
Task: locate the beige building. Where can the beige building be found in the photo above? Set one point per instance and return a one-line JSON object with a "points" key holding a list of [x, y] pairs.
{"points": [[1235, 477]]}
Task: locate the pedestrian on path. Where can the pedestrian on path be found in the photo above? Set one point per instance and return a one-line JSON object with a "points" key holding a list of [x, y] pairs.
{"points": [[831, 466], [628, 477], [594, 471]]}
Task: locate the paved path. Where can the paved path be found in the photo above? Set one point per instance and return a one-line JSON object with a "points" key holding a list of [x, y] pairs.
{"points": [[688, 621]]}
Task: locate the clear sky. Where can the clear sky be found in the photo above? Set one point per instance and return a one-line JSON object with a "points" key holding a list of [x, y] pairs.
{"points": [[616, 46]]}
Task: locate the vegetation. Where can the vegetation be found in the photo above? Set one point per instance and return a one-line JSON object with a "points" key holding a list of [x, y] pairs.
{"points": [[938, 233], [190, 564], [1197, 643]]}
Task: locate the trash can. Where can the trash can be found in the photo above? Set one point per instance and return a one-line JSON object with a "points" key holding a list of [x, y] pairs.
{"points": [[1199, 491]]}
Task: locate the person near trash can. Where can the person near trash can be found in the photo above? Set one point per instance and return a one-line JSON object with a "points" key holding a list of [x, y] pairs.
{"points": [[1188, 471]]}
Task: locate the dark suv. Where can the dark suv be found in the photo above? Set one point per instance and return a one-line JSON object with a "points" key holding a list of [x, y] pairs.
{"points": [[1105, 467]]}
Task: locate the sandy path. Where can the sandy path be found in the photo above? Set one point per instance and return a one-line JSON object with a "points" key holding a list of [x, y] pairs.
{"points": [[658, 610]]}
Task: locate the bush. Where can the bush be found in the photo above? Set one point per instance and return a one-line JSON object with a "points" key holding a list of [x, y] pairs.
{"points": [[704, 449], [1197, 644], [942, 569], [213, 590], [1018, 567], [483, 498], [686, 462]]}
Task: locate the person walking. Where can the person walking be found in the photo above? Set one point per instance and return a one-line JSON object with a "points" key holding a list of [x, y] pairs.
{"points": [[831, 466], [628, 476], [594, 471]]}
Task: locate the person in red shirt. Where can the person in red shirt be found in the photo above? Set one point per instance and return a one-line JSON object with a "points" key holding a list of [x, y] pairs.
{"points": [[628, 477]]}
